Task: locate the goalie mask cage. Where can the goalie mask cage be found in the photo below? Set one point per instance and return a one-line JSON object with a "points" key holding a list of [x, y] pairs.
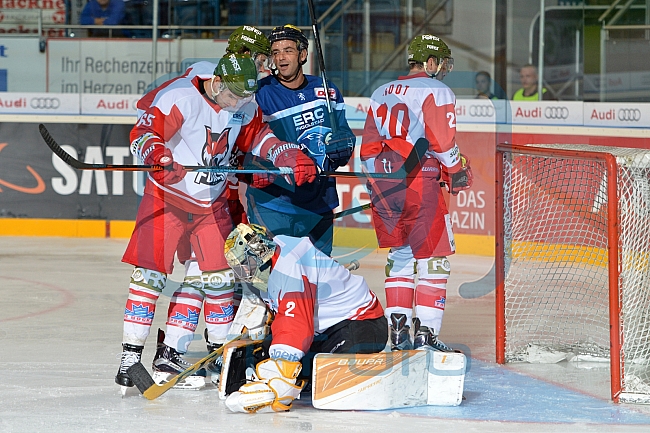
{"points": [[573, 258]]}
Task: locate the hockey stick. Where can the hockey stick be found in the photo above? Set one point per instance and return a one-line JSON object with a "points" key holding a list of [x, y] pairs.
{"points": [[75, 163], [353, 265], [321, 65], [144, 382], [352, 210]]}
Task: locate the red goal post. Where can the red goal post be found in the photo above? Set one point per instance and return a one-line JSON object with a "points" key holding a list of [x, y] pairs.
{"points": [[573, 259]]}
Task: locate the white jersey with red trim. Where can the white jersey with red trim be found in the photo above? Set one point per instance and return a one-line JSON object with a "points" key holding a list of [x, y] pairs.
{"points": [[198, 132], [311, 292], [410, 108]]}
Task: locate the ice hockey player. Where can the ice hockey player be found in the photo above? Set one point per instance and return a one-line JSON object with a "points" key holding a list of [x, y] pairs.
{"points": [[195, 119], [244, 40], [294, 104], [319, 306], [410, 216], [250, 41]]}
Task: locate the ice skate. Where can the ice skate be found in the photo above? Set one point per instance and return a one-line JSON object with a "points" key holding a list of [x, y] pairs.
{"points": [[426, 339], [214, 367], [168, 362], [400, 337], [130, 355]]}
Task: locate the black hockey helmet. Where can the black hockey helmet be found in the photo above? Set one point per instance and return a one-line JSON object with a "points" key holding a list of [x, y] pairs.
{"points": [[291, 33]]}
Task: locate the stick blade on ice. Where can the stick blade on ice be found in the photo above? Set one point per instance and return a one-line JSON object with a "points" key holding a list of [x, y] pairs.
{"points": [[140, 377]]}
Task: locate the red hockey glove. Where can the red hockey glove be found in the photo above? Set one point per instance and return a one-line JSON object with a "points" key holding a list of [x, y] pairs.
{"points": [[262, 180], [172, 173], [290, 155], [460, 180]]}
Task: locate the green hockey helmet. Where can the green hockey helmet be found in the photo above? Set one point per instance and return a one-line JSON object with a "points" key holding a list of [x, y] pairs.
{"points": [[238, 73], [248, 38], [422, 47]]}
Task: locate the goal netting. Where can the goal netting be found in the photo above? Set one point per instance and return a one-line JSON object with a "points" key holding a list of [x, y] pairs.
{"points": [[573, 259]]}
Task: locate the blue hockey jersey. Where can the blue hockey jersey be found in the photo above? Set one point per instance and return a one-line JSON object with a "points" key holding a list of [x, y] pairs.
{"points": [[301, 116]]}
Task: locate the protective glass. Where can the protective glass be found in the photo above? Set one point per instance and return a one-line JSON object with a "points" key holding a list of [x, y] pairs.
{"points": [[228, 101], [261, 62], [449, 63]]}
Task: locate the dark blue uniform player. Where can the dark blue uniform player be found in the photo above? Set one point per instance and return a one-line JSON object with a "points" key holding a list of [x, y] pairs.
{"points": [[294, 105]]}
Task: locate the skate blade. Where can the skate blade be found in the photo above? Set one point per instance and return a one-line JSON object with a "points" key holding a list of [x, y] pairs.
{"points": [[191, 383], [123, 390]]}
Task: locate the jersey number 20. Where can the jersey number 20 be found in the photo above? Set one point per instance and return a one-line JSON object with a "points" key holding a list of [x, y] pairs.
{"points": [[398, 113]]}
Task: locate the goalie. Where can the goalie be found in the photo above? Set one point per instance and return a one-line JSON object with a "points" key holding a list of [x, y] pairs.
{"points": [[319, 306]]}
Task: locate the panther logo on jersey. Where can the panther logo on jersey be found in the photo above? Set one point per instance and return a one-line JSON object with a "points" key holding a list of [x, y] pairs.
{"points": [[314, 141], [216, 152]]}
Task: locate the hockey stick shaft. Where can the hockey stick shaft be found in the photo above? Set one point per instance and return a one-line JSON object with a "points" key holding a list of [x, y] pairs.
{"points": [[321, 65], [75, 163], [352, 210], [139, 374]]}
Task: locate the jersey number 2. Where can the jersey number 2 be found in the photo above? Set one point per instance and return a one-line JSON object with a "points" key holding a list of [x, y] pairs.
{"points": [[290, 306]]}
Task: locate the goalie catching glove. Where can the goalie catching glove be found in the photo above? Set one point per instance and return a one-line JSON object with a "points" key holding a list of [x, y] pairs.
{"points": [[158, 154], [274, 390], [290, 155], [459, 180]]}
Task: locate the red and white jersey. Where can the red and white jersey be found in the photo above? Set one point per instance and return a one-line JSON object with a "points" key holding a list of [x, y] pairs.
{"points": [[311, 292], [410, 108], [198, 132]]}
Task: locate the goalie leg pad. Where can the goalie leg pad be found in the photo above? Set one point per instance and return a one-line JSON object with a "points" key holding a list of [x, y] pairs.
{"points": [[275, 390]]}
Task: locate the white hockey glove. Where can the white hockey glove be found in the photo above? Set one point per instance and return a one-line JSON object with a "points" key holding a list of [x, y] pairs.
{"points": [[274, 391]]}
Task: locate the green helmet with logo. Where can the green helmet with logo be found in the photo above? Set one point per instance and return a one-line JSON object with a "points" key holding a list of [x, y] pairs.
{"points": [[248, 38], [238, 73], [422, 47]]}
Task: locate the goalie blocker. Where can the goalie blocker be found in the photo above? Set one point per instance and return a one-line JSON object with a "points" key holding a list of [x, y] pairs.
{"points": [[379, 381]]}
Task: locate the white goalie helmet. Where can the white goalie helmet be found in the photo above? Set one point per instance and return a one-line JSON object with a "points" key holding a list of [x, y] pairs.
{"points": [[249, 250]]}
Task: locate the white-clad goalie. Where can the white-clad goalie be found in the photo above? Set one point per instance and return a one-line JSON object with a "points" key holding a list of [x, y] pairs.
{"points": [[319, 306]]}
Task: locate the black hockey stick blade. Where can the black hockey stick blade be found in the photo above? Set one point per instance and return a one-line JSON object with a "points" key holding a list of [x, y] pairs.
{"points": [[75, 163], [140, 377], [153, 391]]}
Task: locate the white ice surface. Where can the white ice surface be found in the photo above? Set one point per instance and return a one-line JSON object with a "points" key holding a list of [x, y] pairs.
{"points": [[60, 333]]}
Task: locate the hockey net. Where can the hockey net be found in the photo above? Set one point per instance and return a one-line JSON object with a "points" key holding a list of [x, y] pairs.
{"points": [[573, 259]]}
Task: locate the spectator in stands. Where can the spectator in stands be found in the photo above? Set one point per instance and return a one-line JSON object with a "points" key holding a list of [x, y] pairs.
{"points": [[140, 13], [483, 83], [102, 12], [528, 92]]}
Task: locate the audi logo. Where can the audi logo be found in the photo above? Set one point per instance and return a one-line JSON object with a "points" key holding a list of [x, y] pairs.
{"points": [[556, 112], [629, 114], [45, 103], [481, 110]]}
